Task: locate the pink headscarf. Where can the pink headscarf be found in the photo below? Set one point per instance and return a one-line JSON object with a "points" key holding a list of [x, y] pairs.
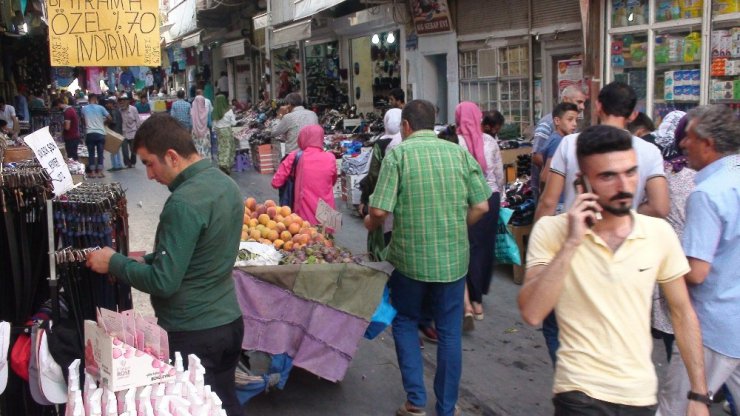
{"points": [[311, 136], [199, 115], [468, 118]]}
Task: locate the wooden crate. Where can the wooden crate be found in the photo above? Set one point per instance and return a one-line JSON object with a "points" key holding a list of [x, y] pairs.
{"points": [[262, 158], [521, 235]]}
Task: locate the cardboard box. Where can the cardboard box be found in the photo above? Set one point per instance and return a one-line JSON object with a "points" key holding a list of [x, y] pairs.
{"points": [[113, 141], [121, 366], [521, 235]]}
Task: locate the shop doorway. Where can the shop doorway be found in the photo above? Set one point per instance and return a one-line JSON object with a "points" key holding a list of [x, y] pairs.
{"points": [[560, 65], [436, 85]]}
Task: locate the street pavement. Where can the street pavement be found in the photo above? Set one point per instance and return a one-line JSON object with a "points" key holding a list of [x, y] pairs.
{"points": [[506, 368]]}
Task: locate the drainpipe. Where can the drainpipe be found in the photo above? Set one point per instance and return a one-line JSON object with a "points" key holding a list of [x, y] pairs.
{"points": [[530, 44]]}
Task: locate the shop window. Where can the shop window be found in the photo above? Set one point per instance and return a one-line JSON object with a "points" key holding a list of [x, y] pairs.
{"points": [[322, 75], [629, 64], [631, 12], [724, 83], [677, 72], [376, 69], [286, 64], [503, 85]]}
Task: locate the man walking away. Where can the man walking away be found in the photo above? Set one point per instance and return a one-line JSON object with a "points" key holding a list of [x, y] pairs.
{"points": [[71, 128], [434, 189], [95, 116]]}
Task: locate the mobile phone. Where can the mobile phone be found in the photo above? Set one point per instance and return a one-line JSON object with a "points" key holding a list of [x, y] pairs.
{"points": [[586, 186]]}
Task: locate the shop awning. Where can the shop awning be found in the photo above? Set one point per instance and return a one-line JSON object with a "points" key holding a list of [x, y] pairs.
{"points": [[292, 33], [191, 41], [232, 49], [260, 21], [307, 8]]}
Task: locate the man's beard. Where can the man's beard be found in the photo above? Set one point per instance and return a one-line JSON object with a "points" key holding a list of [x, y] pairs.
{"points": [[622, 209]]}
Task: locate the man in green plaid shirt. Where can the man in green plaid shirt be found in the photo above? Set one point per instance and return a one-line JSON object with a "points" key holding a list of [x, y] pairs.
{"points": [[434, 189]]}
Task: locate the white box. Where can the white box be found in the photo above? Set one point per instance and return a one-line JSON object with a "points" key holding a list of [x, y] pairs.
{"points": [[121, 366]]}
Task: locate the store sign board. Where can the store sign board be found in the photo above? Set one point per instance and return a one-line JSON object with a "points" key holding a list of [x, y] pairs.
{"points": [[103, 32], [260, 21], [570, 72], [232, 49], [431, 16], [308, 8], [51, 160]]}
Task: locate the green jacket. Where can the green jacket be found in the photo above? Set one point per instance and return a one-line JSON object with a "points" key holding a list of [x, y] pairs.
{"points": [[189, 273]]}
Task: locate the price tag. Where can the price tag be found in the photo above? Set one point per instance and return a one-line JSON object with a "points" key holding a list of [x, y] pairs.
{"points": [[328, 216], [51, 159]]}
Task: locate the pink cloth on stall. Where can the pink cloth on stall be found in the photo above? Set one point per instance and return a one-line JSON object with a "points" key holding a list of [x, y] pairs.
{"points": [[316, 173], [468, 118]]}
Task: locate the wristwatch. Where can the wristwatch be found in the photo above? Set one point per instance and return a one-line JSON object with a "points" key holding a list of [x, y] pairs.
{"points": [[707, 399]]}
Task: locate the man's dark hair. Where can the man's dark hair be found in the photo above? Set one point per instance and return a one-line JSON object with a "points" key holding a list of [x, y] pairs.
{"points": [[3, 123], [55, 102], [2, 99], [642, 121], [294, 99], [493, 118], [162, 132], [398, 94], [600, 139], [92, 97], [618, 99], [181, 94], [419, 114], [562, 108]]}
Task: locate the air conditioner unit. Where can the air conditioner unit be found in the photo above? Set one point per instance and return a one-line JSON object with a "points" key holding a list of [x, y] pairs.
{"points": [[487, 67]]}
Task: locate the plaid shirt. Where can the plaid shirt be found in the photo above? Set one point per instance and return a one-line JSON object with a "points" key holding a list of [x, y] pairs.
{"points": [[429, 184], [181, 111]]}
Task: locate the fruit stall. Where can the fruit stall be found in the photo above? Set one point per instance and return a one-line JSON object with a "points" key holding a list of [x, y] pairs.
{"points": [[305, 302]]}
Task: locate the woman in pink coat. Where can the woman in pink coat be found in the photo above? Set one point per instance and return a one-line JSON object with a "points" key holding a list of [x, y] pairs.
{"points": [[316, 173]]}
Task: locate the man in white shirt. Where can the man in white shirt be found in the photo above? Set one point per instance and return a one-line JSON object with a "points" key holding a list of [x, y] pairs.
{"points": [[7, 113], [615, 107], [296, 117], [222, 85]]}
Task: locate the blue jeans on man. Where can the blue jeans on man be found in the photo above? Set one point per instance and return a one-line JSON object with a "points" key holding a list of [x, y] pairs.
{"points": [[550, 331], [407, 296], [95, 143]]}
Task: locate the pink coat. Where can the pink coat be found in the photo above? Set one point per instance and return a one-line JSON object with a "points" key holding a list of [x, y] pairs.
{"points": [[316, 173]]}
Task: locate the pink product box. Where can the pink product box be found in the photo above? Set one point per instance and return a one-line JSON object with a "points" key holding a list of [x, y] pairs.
{"points": [[121, 366]]}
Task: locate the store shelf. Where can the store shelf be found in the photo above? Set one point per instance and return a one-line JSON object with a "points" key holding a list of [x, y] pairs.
{"points": [[661, 101], [730, 18], [670, 65], [680, 25]]}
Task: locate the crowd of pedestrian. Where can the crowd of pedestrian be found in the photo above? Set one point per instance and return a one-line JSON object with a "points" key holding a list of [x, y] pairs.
{"points": [[634, 238]]}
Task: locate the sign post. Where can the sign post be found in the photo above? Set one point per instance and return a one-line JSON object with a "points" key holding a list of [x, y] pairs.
{"points": [[104, 32], [328, 216], [51, 159]]}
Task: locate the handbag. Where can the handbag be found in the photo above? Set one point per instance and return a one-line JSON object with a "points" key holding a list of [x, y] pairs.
{"points": [[287, 191], [507, 252]]}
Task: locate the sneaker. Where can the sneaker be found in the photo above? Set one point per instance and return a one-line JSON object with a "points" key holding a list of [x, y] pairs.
{"points": [[428, 333]]}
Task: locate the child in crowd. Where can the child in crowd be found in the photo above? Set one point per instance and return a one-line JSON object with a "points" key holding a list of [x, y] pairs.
{"points": [[565, 119]]}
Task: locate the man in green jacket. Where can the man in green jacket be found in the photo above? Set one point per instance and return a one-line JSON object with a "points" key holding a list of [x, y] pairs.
{"points": [[189, 273]]}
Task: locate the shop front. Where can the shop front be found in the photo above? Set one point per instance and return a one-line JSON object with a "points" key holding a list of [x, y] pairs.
{"points": [[240, 64], [286, 58], [675, 54]]}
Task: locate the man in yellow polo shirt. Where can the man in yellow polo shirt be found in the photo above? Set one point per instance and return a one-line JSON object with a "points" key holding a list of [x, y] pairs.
{"points": [[596, 265]]}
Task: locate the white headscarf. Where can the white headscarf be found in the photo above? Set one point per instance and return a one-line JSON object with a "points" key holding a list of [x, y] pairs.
{"points": [[664, 136], [392, 124]]}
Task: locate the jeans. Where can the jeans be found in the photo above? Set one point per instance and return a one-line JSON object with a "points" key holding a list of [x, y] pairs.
{"points": [[576, 403], [550, 331], [95, 143], [407, 296], [116, 161], [219, 350], [70, 146], [129, 156]]}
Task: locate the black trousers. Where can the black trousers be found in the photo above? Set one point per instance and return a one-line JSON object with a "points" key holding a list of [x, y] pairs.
{"points": [[218, 349], [577, 403], [482, 238], [70, 145]]}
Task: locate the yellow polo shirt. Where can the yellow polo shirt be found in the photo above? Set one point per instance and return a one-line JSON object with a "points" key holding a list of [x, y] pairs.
{"points": [[604, 309]]}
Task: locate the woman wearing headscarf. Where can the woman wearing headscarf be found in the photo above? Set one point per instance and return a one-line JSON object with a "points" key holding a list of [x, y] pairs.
{"points": [[378, 239], [316, 173], [200, 132], [223, 120], [680, 185], [482, 235]]}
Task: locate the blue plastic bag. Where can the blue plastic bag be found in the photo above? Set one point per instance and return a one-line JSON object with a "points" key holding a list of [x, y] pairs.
{"points": [[507, 252], [382, 317]]}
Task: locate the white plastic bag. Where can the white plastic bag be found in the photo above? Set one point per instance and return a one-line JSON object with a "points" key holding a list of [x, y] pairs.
{"points": [[257, 254]]}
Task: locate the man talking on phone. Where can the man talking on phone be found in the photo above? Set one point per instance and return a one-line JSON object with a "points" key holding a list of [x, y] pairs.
{"points": [[599, 275]]}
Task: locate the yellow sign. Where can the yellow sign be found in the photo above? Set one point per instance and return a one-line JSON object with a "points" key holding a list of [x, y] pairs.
{"points": [[104, 32]]}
